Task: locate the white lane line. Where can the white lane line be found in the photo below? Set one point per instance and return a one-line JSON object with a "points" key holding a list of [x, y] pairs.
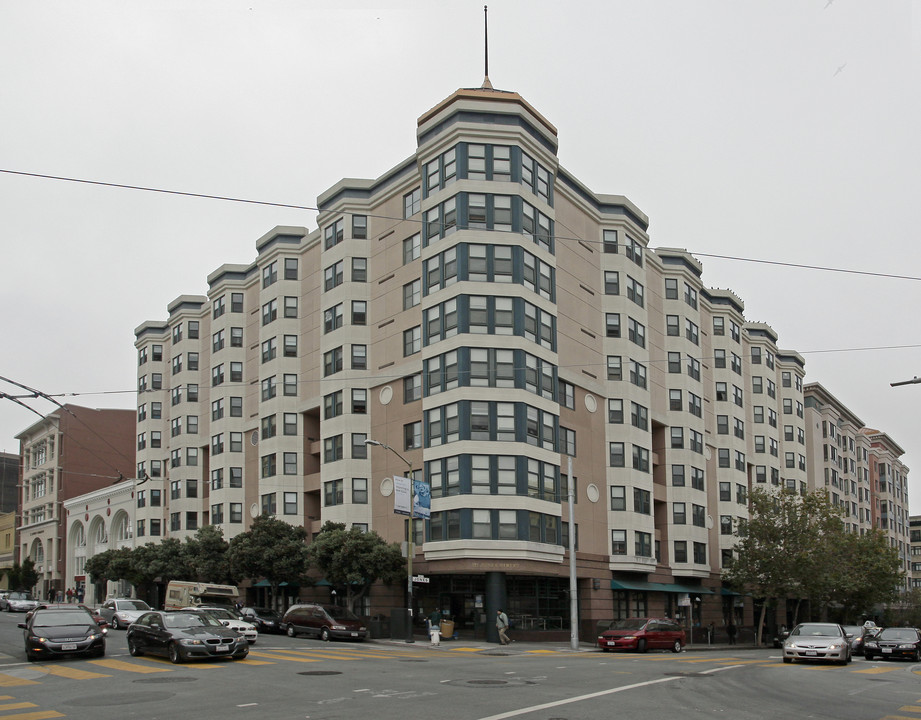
{"points": [[557, 703]]}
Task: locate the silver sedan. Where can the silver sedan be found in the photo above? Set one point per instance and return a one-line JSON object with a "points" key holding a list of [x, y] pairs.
{"points": [[817, 641]]}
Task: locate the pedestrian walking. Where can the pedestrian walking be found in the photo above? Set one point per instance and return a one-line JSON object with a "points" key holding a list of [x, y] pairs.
{"points": [[731, 631], [502, 627], [70, 595]]}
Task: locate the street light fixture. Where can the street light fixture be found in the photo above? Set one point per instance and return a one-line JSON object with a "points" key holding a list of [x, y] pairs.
{"points": [[410, 545], [914, 381]]}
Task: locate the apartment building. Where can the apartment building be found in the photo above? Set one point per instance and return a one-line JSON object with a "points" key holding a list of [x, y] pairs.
{"points": [[64, 455], [484, 314], [914, 537]]}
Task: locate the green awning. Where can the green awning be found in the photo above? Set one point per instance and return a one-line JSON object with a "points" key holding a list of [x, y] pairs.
{"points": [[658, 587], [266, 583]]}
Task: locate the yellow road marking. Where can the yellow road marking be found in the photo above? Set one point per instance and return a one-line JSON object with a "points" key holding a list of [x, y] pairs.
{"points": [[12, 681], [6, 697], [17, 706], [743, 662], [40, 715], [282, 657], [911, 708], [467, 649], [874, 671], [136, 667], [899, 717], [69, 672], [706, 659]]}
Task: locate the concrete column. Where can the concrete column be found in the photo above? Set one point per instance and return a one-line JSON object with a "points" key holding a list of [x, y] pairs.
{"points": [[496, 599]]}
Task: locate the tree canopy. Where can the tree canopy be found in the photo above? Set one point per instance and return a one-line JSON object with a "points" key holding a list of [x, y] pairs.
{"points": [[271, 550], [796, 546], [351, 560]]}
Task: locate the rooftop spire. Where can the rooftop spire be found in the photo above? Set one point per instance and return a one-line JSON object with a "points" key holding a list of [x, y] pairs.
{"points": [[486, 84]]}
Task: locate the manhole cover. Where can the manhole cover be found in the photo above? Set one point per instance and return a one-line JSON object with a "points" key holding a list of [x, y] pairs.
{"points": [[320, 672], [169, 679], [688, 674], [412, 660], [487, 682], [496, 654]]}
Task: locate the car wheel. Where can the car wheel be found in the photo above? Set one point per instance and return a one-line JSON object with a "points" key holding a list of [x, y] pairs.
{"points": [[239, 657], [324, 635], [641, 645], [134, 650], [676, 648], [788, 660], [605, 649], [175, 656], [291, 632], [31, 657], [867, 656], [115, 624]]}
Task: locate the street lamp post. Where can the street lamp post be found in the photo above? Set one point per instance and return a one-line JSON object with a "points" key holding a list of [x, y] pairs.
{"points": [[410, 545]]}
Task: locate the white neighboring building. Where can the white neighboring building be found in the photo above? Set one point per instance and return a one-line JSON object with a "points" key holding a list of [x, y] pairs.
{"points": [[98, 521]]}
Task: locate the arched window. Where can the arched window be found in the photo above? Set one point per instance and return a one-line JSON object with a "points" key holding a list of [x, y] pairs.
{"points": [[79, 536]]}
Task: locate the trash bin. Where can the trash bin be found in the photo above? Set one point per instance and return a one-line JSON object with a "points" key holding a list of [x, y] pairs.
{"points": [[447, 629]]}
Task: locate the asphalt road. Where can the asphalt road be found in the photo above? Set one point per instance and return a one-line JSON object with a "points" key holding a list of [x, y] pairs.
{"points": [[300, 678]]}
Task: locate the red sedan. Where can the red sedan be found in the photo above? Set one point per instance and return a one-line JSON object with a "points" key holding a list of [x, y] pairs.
{"points": [[642, 634]]}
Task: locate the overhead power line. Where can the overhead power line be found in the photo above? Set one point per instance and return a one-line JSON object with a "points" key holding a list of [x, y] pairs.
{"points": [[291, 206]]}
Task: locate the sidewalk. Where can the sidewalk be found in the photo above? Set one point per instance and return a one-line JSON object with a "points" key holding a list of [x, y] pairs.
{"points": [[484, 646]]}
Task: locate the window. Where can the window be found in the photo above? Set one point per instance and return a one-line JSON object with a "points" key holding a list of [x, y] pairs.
{"points": [[612, 325], [616, 454], [412, 388], [412, 203], [412, 341], [618, 542], [268, 427], [359, 227], [290, 306], [290, 346], [359, 401], [634, 291], [681, 551], [412, 294], [360, 491], [359, 357], [236, 372], [678, 475], [269, 388], [609, 241], [270, 274], [638, 374], [332, 235], [641, 501], [236, 302], [333, 493], [615, 369], [290, 268], [332, 318], [679, 513], [289, 384], [674, 362], [269, 465], [611, 282], [332, 448], [219, 307], [672, 326], [332, 361], [700, 553], [269, 349], [332, 276], [616, 411], [671, 288], [412, 436], [636, 332], [359, 312], [639, 416], [289, 460], [268, 504], [269, 312], [412, 248], [359, 448], [236, 337]]}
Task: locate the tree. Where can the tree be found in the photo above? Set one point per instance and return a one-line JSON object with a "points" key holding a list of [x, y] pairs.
{"points": [[28, 576], [206, 556], [352, 561], [14, 577], [778, 553], [866, 572], [272, 550]]}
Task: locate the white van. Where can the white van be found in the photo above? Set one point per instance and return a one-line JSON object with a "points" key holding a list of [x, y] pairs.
{"points": [[181, 594]]}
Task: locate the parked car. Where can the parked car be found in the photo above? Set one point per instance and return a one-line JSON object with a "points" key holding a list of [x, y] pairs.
{"points": [[859, 634], [230, 619], [52, 632], [894, 642], [642, 634], [121, 612], [184, 635], [20, 602], [265, 620], [325, 621], [817, 641]]}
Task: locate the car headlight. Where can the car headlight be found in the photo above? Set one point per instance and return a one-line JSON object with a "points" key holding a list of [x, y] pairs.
{"points": [[190, 641], [907, 646], [339, 627], [629, 637], [836, 646]]}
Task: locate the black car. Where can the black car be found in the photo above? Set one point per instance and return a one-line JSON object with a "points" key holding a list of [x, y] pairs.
{"points": [[265, 620], [53, 632], [184, 635], [894, 642]]}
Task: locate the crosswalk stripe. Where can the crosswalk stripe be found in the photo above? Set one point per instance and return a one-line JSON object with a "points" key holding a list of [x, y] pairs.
{"points": [[6, 697], [910, 708], [69, 672], [13, 681], [250, 661], [899, 717], [40, 715], [135, 667], [17, 706], [282, 657]]}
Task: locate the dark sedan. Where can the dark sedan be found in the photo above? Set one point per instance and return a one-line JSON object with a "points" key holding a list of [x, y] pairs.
{"points": [[184, 635], [894, 642], [265, 620], [53, 632]]}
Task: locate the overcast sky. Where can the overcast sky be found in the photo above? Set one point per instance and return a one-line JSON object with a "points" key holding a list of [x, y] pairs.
{"points": [[781, 130]]}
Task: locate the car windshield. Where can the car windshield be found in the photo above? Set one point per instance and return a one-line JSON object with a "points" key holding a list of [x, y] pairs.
{"points": [[58, 618], [906, 634], [817, 630], [190, 620], [132, 605], [220, 613], [20, 596], [629, 624], [340, 613], [853, 629]]}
